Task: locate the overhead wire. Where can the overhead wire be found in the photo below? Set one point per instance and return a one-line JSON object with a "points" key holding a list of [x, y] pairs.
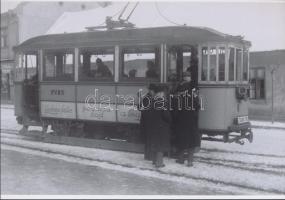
{"points": [[165, 18]]}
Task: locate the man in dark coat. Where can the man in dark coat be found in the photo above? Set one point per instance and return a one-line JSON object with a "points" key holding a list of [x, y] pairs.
{"points": [[157, 122], [185, 118], [144, 107]]}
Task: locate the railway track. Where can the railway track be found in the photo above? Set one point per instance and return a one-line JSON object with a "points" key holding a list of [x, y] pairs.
{"points": [[254, 167], [235, 164]]}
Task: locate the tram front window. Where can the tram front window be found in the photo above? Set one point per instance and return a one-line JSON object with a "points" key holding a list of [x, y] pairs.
{"points": [[30, 61], [58, 66], [231, 64], [141, 64], [96, 65], [222, 53], [213, 63], [238, 64], [245, 66], [204, 73]]}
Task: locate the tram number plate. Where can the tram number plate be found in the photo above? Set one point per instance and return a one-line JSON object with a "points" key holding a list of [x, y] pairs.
{"points": [[242, 119]]}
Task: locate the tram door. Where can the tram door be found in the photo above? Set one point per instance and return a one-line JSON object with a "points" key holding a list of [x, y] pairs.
{"points": [[31, 86]]}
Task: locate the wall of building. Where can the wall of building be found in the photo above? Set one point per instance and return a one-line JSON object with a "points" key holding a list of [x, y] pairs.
{"points": [[27, 20], [262, 108], [9, 26]]}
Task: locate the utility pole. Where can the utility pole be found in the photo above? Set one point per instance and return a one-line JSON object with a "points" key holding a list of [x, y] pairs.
{"points": [[273, 69]]}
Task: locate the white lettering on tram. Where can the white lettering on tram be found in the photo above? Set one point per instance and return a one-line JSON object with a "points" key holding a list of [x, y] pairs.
{"points": [[184, 101]]}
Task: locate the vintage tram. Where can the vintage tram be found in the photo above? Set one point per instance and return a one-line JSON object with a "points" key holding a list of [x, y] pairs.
{"points": [[86, 84]]}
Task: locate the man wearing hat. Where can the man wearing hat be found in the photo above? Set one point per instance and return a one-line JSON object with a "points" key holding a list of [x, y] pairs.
{"points": [[156, 123], [186, 135], [144, 107]]}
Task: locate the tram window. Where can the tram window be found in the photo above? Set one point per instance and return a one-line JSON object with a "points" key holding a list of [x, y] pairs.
{"points": [[172, 68], [204, 73], [19, 68], [245, 66], [222, 53], [58, 66], [186, 61], [238, 64], [141, 64], [96, 65], [213, 63], [231, 64], [30, 62]]}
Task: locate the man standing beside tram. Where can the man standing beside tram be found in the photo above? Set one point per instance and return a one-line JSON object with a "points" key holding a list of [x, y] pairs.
{"points": [[155, 124], [185, 120]]}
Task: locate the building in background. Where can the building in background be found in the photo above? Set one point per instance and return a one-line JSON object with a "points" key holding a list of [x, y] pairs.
{"points": [[27, 20], [262, 64]]}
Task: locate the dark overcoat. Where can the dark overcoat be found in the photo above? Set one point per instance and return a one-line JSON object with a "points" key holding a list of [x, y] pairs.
{"points": [[156, 129], [185, 121]]}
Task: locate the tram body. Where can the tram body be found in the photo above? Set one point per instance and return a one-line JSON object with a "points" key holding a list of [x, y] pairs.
{"points": [[68, 96]]}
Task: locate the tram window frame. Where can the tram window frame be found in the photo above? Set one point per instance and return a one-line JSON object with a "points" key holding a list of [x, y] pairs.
{"points": [[172, 62], [224, 48], [245, 65], [204, 76], [216, 73], [143, 49], [31, 71], [238, 64], [231, 70], [97, 52], [215, 56], [19, 68], [23, 69], [55, 76]]}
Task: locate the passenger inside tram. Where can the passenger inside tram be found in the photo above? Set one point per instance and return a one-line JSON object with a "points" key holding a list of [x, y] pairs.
{"points": [[132, 73], [151, 70], [102, 69], [95, 66]]}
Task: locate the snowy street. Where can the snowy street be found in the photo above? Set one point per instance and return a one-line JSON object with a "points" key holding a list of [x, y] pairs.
{"points": [[257, 168], [41, 175]]}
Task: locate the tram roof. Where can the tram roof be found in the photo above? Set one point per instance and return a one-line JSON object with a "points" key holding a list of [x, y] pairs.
{"points": [[155, 35]]}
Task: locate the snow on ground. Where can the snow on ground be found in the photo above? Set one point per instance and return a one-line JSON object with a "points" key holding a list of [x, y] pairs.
{"points": [[268, 124], [216, 173], [203, 185], [259, 165], [265, 141]]}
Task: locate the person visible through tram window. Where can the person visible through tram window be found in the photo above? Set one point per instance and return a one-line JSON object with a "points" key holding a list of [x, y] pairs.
{"points": [[185, 120], [102, 69], [133, 73], [151, 70]]}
